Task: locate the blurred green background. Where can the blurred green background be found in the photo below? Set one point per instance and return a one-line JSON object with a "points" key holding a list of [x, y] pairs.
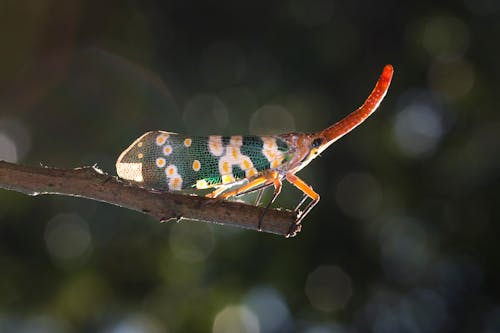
{"points": [[404, 238]]}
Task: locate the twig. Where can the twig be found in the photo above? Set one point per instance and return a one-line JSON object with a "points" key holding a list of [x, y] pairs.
{"points": [[91, 183]]}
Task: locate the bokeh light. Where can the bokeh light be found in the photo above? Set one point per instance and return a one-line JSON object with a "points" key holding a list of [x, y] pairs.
{"points": [[327, 328], [452, 79], [271, 120], [13, 129], [456, 278], [405, 250], [68, 238], [418, 310], [205, 114], [328, 288], [8, 149], [191, 242], [138, 323], [445, 36], [33, 324], [418, 127], [236, 318], [270, 308]]}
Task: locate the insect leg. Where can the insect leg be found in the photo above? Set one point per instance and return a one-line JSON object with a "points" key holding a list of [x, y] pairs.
{"points": [[301, 185], [257, 188], [304, 198], [260, 188], [257, 182], [277, 190], [271, 178], [259, 196], [216, 192]]}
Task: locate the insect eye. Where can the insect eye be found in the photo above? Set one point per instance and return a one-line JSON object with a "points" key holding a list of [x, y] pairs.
{"points": [[316, 143]]}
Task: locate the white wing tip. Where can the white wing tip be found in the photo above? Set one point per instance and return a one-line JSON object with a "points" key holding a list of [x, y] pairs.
{"points": [[130, 171]]}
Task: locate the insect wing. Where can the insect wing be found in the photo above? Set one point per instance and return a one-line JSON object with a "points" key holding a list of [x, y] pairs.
{"points": [[153, 161], [170, 161]]}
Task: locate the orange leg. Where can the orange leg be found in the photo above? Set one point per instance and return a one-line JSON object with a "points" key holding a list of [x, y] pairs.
{"points": [[217, 192], [277, 190], [301, 185], [259, 181]]}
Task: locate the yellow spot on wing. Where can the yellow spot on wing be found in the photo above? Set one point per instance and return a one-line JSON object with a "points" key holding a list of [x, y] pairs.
{"points": [[167, 150], [201, 184], [161, 139], [247, 164], [236, 140], [140, 155], [160, 162], [187, 142], [175, 183], [225, 167], [215, 145], [270, 148], [196, 165], [269, 142], [171, 170], [226, 179], [140, 144], [270, 154], [235, 153], [250, 172], [275, 163]]}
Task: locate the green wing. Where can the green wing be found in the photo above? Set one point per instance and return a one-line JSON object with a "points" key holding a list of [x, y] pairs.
{"points": [[170, 161]]}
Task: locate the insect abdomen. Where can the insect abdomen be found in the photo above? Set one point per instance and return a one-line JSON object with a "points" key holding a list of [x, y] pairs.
{"points": [[169, 161]]}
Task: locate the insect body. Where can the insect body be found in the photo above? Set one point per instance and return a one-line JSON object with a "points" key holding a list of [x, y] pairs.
{"points": [[235, 165], [170, 161]]}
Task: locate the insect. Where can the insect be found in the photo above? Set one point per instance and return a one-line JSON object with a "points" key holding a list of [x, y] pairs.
{"points": [[236, 165]]}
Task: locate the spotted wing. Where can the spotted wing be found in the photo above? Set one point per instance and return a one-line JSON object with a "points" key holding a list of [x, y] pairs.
{"points": [[169, 161], [242, 157]]}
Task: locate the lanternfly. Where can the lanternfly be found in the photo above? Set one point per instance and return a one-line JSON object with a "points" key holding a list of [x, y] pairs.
{"points": [[235, 165]]}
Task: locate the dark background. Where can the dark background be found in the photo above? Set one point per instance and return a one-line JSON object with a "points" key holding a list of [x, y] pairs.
{"points": [[404, 238]]}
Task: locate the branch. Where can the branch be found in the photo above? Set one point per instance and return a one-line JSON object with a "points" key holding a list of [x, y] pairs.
{"points": [[91, 183]]}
